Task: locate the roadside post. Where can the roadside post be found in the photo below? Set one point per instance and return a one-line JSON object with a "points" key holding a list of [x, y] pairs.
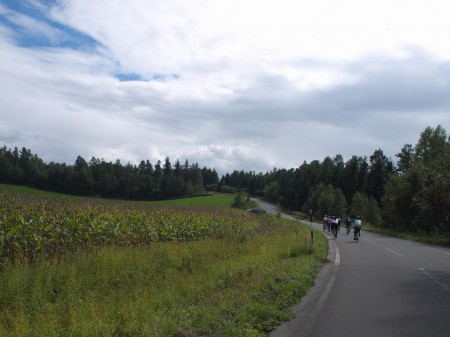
{"points": [[312, 233]]}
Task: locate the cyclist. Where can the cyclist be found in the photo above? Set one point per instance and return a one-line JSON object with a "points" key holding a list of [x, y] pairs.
{"points": [[329, 223], [325, 220], [357, 226], [348, 222], [334, 226]]}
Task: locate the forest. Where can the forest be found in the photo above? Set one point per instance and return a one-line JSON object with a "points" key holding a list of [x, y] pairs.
{"points": [[412, 194]]}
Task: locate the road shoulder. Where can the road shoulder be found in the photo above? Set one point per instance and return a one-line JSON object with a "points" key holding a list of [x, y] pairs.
{"points": [[306, 312]]}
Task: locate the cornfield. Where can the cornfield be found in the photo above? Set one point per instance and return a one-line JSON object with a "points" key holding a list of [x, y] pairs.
{"points": [[32, 227]]}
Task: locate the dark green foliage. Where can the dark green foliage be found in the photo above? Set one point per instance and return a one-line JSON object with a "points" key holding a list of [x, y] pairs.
{"points": [[405, 158], [414, 196], [418, 199], [106, 179], [325, 199], [240, 200], [272, 192], [354, 176], [366, 208], [381, 168]]}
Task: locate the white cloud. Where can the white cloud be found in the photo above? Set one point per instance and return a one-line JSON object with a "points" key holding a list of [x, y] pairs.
{"points": [[239, 84]]}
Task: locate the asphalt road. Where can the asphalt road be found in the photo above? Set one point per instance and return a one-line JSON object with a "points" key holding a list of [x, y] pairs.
{"points": [[379, 287]]}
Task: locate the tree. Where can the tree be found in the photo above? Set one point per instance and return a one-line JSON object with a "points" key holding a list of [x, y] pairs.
{"points": [[178, 170], [327, 171], [432, 145], [380, 170], [360, 205], [167, 170], [186, 170], [197, 182], [366, 208], [272, 192], [210, 177], [189, 190], [157, 174], [83, 181], [338, 173], [326, 199], [396, 204], [239, 200], [6, 165], [60, 177], [419, 198], [405, 157], [350, 177]]}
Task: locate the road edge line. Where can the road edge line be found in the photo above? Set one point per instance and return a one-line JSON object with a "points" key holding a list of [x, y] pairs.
{"points": [[306, 312]]}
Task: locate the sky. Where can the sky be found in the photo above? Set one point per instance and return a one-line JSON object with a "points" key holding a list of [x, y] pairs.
{"points": [[229, 84]]}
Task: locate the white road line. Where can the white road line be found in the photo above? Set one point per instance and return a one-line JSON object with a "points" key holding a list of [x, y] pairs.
{"points": [[393, 252], [337, 260], [438, 250], [442, 284], [330, 283]]}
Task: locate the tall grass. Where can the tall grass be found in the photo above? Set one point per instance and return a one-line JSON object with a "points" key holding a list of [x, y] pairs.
{"points": [[242, 286], [240, 280]]}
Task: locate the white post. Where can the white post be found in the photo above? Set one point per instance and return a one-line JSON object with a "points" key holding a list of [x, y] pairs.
{"points": [[312, 233]]}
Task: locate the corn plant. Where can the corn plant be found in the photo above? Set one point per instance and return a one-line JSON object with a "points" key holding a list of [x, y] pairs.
{"points": [[32, 227]]}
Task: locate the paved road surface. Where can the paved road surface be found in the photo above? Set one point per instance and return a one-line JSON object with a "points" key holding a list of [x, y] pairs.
{"points": [[271, 209], [379, 287]]}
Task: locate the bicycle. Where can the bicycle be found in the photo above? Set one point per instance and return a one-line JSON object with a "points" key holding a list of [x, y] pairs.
{"points": [[348, 223], [357, 226], [357, 233], [334, 230]]}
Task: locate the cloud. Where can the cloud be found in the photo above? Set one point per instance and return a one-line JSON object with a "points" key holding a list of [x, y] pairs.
{"points": [[230, 85]]}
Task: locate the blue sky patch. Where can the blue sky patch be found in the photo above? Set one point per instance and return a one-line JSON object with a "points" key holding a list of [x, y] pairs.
{"points": [[124, 77], [129, 77], [32, 26]]}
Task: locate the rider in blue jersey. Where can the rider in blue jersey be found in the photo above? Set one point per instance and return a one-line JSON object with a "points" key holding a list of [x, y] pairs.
{"points": [[357, 226]]}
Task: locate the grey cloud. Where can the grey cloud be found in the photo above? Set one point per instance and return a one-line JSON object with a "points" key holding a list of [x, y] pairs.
{"points": [[269, 123], [415, 84]]}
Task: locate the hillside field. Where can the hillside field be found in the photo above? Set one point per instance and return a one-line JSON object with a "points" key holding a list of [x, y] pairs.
{"points": [[74, 266]]}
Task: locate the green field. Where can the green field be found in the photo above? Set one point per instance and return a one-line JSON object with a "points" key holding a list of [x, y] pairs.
{"points": [[90, 267], [222, 200], [34, 192]]}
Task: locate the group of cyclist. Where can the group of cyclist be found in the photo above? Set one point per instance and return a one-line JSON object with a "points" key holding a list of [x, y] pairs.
{"points": [[332, 224]]}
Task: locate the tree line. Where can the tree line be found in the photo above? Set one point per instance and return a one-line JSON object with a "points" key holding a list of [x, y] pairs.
{"points": [[106, 179], [411, 195]]}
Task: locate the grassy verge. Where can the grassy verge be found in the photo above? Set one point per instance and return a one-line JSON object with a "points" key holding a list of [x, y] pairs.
{"points": [[90, 267], [431, 239], [241, 286]]}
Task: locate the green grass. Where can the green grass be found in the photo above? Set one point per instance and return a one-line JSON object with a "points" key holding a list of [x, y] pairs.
{"points": [[242, 279], [37, 192], [242, 286], [416, 237], [220, 200]]}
